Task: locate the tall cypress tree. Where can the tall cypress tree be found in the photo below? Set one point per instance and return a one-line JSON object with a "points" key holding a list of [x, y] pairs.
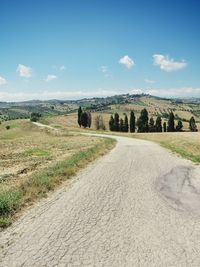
{"points": [[84, 119], [158, 125], [142, 122], [165, 127], [192, 125], [171, 127], [111, 123], [121, 125], [151, 125], [132, 122], [79, 115], [89, 119], [125, 123], [116, 122]]}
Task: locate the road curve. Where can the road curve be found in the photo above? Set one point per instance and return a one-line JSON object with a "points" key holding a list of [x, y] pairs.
{"points": [[126, 209]]}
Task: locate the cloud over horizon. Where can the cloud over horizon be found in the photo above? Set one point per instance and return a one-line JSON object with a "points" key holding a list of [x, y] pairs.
{"points": [[127, 61], [168, 64], [24, 71]]}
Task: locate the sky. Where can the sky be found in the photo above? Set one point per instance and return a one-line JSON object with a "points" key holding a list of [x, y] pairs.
{"points": [[71, 49]]}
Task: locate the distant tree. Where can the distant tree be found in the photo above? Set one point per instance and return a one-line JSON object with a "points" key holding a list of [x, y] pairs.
{"points": [[151, 125], [165, 126], [121, 125], [99, 124], [116, 122], [158, 125], [132, 122], [142, 122], [89, 119], [84, 119], [79, 115], [7, 127], [35, 116], [179, 126], [171, 127], [125, 123], [111, 123], [192, 125]]}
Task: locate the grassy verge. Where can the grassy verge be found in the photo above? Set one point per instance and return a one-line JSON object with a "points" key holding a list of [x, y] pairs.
{"points": [[182, 151], [15, 198], [185, 144]]}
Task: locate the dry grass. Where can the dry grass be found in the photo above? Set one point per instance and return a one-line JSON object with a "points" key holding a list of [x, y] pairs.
{"points": [[25, 148], [33, 161], [186, 144]]}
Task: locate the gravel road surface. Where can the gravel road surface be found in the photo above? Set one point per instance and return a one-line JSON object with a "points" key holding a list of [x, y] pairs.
{"points": [[137, 206]]}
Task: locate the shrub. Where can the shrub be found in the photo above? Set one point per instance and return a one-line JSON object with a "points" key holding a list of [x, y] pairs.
{"points": [[9, 201]]}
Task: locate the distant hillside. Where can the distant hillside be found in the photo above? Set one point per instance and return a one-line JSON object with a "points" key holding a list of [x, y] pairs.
{"points": [[183, 108]]}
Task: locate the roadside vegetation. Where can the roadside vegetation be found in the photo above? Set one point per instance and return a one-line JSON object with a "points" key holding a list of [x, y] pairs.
{"points": [[185, 144], [34, 161]]}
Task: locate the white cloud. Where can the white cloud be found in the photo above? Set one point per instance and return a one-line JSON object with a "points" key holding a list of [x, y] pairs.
{"points": [[149, 81], [168, 64], [127, 61], [62, 67], [2, 81], [24, 71], [50, 77]]}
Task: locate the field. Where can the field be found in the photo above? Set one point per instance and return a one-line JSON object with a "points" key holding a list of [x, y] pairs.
{"points": [[34, 160]]}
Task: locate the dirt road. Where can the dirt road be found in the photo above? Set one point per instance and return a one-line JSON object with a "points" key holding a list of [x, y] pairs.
{"points": [[136, 206]]}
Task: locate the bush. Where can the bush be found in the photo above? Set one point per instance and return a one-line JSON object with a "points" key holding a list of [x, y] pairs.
{"points": [[7, 127], [35, 116], [9, 201]]}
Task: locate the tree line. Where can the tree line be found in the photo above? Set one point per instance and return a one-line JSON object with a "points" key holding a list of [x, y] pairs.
{"points": [[143, 124], [146, 125]]}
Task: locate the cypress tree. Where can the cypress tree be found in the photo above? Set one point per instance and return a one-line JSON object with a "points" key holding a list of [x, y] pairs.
{"points": [[165, 127], [116, 122], [89, 119], [179, 126], [151, 125], [158, 125], [84, 119], [171, 127], [132, 122], [125, 123], [142, 122], [79, 115], [111, 123], [121, 125], [192, 125]]}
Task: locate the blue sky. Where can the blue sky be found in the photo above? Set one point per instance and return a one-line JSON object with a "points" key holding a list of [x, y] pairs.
{"points": [[69, 49]]}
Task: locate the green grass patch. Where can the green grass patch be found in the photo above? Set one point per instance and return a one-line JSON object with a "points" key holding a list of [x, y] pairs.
{"points": [[10, 200], [37, 152]]}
